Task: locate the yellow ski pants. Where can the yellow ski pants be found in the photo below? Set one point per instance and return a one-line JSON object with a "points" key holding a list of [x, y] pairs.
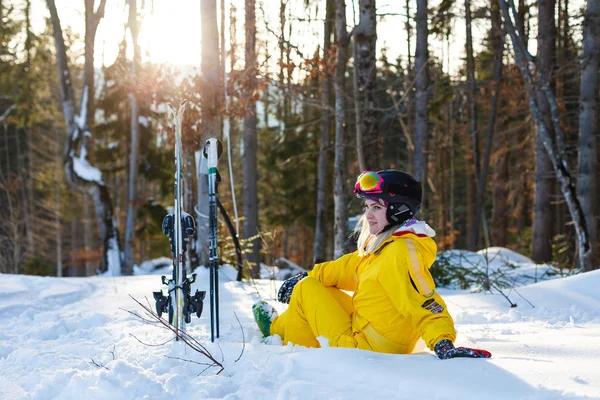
{"points": [[316, 310]]}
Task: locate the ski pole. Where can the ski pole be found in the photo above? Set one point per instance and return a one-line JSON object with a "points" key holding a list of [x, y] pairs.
{"points": [[212, 151], [212, 302]]}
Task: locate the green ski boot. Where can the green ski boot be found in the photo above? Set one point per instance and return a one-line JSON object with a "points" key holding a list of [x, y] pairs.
{"points": [[264, 314]]}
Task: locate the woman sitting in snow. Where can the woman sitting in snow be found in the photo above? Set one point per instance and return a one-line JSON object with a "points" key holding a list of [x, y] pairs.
{"points": [[394, 302]]}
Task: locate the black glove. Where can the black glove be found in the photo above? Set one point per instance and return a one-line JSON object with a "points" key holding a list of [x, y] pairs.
{"points": [[285, 291], [444, 349]]}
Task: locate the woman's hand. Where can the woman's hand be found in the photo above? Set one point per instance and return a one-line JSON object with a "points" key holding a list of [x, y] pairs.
{"points": [[444, 349], [285, 291]]}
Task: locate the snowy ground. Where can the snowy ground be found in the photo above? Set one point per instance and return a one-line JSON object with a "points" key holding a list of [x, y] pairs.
{"points": [[53, 331]]}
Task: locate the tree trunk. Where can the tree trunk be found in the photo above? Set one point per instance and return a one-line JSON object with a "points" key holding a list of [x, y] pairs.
{"points": [[410, 97], [587, 189], [498, 46], [500, 194], [14, 253], [471, 188], [250, 141], [30, 216], [541, 246], [473, 236], [285, 243], [21, 197], [57, 225], [500, 216], [323, 169], [360, 147], [135, 143], [283, 103], [365, 40], [75, 253], [211, 99], [452, 206], [339, 168], [87, 236], [80, 174], [522, 14], [421, 96]]}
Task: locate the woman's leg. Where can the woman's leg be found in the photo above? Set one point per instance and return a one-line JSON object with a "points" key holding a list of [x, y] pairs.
{"points": [[316, 310]]}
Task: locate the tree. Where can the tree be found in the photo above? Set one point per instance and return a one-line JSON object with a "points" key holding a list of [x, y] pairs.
{"points": [[421, 95], [340, 198], [135, 142], [250, 141], [80, 174], [499, 217], [541, 245], [473, 232], [365, 39], [210, 109], [587, 188], [323, 165], [498, 50], [554, 146]]}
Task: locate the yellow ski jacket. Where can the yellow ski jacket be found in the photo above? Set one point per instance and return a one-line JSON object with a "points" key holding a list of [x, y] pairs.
{"points": [[395, 301]]}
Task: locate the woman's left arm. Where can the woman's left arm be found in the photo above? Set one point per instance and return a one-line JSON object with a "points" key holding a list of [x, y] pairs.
{"points": [[408, 282]]}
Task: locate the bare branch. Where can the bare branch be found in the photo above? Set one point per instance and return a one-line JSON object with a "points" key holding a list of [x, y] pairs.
{"points": [[99, 14], [243, 337], [147, 321], [190, 361], [7, 112], [99, 365], [151, 345], [287, 42], [180, 334]]}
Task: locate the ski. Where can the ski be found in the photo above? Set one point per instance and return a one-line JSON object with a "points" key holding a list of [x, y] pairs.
{"points": [[212, 152], [179, 226]]}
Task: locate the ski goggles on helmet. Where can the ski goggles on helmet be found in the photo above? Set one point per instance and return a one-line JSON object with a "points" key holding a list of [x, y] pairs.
{"points": [[368, 182]]}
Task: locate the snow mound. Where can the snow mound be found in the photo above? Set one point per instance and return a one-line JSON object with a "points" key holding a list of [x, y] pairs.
{"points": [[504, 254], [463, 268], [283, 269], [156, 266]]}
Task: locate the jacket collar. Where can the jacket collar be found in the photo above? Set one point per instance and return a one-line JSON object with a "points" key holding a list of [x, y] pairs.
{"points": [[418, 228]]}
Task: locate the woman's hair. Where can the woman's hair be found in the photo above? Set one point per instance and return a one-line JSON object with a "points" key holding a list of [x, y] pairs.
{"points": [[367, 242]]}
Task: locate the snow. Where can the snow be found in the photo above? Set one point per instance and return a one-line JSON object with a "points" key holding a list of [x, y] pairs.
{"points": [[509, 266], [287, 270], [84, 170], [82, 117], [143, 120], [153, 267], [113, 257], [68, 338]]}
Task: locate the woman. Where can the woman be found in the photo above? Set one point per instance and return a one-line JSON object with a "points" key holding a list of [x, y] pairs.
{"points": [[394, 301]]}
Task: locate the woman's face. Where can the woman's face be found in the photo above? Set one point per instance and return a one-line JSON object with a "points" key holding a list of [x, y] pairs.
{"points": [[375, 214]]}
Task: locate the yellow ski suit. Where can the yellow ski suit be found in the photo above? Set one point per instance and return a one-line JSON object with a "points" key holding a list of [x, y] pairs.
{"points": [[394, 301]]}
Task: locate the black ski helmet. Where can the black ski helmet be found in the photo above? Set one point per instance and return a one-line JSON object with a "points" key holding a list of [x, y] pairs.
{"points": [[399, 190]]}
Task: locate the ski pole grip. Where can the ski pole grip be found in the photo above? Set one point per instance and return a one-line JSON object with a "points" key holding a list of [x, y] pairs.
{"points": [[212, 151]]}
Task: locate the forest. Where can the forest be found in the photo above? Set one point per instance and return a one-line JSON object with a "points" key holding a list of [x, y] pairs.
{"points": [[492, 106]]}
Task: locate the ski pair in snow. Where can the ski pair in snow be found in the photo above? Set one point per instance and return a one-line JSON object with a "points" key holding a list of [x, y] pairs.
{"points": [[179, 303]]}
